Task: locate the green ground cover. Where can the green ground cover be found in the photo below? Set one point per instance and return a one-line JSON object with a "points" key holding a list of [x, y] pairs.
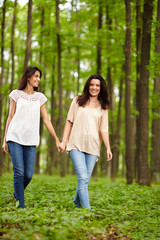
{"points": [[118, 211]]}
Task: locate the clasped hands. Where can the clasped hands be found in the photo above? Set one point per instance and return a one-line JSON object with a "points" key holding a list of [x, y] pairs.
{"points": [[62, 147]]}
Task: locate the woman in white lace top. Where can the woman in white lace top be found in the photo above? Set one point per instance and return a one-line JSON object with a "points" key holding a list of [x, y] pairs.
{"points": [[22, 129]]}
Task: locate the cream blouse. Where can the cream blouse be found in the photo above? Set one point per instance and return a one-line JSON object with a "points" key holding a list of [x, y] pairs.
{"points": [[24, 126], [88, 123]]}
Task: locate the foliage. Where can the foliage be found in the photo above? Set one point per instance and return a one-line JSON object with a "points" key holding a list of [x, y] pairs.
{"points": [[119, 211]]}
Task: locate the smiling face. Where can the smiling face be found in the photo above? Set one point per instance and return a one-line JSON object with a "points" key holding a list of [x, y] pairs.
{"points": [[34, 80], [94, 87]]}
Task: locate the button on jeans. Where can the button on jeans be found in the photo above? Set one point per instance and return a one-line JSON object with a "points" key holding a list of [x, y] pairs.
{"points": [[83, 164], [23, 159]]}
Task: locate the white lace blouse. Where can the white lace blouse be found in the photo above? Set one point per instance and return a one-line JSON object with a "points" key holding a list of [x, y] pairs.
{"points": [[24, 126]]}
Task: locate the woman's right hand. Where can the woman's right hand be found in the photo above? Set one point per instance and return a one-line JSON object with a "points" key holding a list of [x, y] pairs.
{"points": [[5, 147], [62, 147]]}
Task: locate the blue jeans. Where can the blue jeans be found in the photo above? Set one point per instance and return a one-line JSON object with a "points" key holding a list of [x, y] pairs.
{"points": [[23, 158], [84, 164]]}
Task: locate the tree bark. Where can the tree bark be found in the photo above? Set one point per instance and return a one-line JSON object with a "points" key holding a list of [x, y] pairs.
{"points": [[138, 51], [29, 34], [78, 49], [99, 42], [128, 151], [52, 149], [117, 136], [143, 168], [155, 153], [12, 44], [95, 171], [38, 153], [1, 80], [60, 84]]}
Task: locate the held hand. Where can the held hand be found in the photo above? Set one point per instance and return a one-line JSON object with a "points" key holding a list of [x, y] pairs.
{"points": [[62, 147], [5, 147], [109, 155]]}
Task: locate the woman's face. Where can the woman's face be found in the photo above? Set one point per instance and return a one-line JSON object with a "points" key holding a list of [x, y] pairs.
{"points": [[34, 80], [94, 87]]}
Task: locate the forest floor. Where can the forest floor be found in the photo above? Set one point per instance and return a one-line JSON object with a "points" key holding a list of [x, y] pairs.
{"points": [[119, 211]]}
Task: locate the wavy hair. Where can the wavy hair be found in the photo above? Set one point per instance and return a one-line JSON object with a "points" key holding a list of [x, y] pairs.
{"points": [[28, 72], [102, 96]]}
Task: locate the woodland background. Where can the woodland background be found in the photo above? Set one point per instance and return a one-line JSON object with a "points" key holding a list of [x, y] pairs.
{"points": [[69, 41]]}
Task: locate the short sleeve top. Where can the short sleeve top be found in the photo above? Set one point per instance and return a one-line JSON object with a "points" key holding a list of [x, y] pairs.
{"points": [[24, 126], [88, 123]]}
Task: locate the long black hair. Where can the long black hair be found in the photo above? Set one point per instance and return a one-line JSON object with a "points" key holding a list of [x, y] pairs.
{"points": [[102, 96], [28, 72]]}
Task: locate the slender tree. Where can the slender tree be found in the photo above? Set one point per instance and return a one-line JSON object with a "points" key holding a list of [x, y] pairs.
{"points": [[143, 167], [128, 153], [52, 149], [37, 162], [138, 51], [60, 83], [99, 42], [29, 34], [155, 153], [78, 48], [12, 44], [1, 78], [117, 135]]}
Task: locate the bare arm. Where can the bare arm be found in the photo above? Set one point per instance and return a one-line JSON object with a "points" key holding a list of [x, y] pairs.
{"points": [[105, 137], [48, 124], [66, 134], [12, 109]]}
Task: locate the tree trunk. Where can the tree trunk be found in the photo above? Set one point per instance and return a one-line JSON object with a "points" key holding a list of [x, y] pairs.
{"points": [[78, 49], [6, 157], [12, 43], [1, 80], [110, 89], [52, 149], [95, 171], [128, 152], [29, 34], [99, 42], [138, 51], [60, 84], [37, 162], [117, 136], [143, 168], [155, 153]]}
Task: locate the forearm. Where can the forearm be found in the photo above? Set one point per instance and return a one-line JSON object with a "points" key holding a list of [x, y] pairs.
{"points": [[50, 128], [6, 128], [105, 138], [67, 131]]}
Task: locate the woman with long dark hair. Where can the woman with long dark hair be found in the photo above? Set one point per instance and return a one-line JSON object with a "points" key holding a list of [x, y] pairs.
{"points": [[22, 129], [86, 125]]}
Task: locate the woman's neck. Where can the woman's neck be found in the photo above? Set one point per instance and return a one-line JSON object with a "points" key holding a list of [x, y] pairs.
{"points": [[29, 90], [93, 99], [93, 102]]}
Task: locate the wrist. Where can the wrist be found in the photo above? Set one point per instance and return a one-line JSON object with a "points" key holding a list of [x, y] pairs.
{"points": [[64, 141], [57, 140]]}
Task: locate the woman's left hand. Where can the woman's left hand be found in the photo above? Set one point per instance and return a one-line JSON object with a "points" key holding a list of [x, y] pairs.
{"points": [[109, 155], [62, 147]]}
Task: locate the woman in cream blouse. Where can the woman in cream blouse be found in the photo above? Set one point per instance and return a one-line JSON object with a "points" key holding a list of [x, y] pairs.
{"points": [[86, 125], [22, 129]]}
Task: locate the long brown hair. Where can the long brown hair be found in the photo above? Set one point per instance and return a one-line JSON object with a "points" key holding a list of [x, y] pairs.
{"points": [[28, 72], [102, 96]]}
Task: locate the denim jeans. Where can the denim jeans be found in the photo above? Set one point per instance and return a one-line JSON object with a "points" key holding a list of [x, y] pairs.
{"points": [[84, 164], [23, 159]]}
